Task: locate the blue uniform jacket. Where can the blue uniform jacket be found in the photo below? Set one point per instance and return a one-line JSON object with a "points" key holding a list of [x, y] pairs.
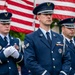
{"points": [[8, 65], [72, 53], [40, 57]]}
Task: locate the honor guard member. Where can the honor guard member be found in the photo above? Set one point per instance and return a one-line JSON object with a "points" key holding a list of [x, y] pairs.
{"points": [[68, 32], [9, 46], [43, 54]]}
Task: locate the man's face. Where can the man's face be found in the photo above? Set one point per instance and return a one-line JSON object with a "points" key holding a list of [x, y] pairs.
{"points": [[68, 32], [45, 19], [4, 28]]}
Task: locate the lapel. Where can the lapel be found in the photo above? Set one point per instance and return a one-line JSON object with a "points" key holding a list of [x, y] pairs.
{"points": [[2, 43], [11, 40], [42, 38], [54, 39]]}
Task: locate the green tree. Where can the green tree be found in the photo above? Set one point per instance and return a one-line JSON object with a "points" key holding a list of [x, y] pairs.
{"points": [[17, 35]]}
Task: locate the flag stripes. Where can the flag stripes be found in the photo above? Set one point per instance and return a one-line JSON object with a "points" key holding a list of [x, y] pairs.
{"points": [[23, 19]]}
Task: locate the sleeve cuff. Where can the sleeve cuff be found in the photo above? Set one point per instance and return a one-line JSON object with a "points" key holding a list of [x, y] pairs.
{"points": [[44, 72], [63, 72]]}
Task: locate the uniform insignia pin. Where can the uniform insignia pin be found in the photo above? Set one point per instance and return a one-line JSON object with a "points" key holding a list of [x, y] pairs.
{"points": [[41, 34], [11, 37], [6, 14], [60, 50], [53, 34], [48, 4]]}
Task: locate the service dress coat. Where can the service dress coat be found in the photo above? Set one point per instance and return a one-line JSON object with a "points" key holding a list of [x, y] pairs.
{"points": [[8, 65], [72, 53], [41, 58]]}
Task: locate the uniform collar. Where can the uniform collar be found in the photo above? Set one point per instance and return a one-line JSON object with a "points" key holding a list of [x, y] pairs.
{"points": [[44, 32], [6, 36], [68, 38], [3, 36]]}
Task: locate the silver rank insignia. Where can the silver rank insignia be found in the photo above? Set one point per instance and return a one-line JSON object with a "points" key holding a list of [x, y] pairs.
{"points": [[26, 45]]}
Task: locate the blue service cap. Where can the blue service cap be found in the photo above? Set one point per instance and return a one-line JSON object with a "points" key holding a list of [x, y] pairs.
{"points": [[69, 22], [5, 17], [45, 8]]}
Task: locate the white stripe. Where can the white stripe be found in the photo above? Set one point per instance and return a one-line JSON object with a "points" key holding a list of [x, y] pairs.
{"points": [[2, 2], [19, 25], [24, 18], [20, 9], [64, 12], [21, 2], [63, 72]]}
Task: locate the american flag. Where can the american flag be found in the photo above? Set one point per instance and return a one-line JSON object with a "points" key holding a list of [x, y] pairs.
{"points": [[23, 19]]}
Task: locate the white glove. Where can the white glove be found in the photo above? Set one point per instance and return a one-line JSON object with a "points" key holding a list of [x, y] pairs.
{"points": [[8, 51], [15, 54]]}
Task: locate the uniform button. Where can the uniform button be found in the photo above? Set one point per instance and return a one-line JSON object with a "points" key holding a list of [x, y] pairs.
{"points": [[8, 61], [9, 67], [53, 59], [51, 51], [53, 66], [29, 71]]}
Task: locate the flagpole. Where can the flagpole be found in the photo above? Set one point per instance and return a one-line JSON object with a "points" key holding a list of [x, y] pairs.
{"points": [[34, 17]]}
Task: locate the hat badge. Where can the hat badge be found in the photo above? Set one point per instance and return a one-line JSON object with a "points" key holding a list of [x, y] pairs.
{"points": [[48, 4], [6, 14]]}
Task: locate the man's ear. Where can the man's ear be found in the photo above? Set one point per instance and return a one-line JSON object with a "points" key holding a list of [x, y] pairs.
{"points": [[38, 17]]}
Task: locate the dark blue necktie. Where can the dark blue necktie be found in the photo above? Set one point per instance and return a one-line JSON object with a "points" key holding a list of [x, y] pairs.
{"points": [[71, 43], [5, 39], [48, 38]]}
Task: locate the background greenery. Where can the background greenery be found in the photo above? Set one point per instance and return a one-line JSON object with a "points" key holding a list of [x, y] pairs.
{"points": [[17, 35]]}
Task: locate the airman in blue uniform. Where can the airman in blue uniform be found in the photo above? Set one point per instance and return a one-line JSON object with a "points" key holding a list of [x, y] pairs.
{"points": [[44, 54], [9, 47], [68, 32]]}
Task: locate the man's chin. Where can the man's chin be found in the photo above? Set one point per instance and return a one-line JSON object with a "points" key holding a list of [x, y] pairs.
{"points": [[47, 24]]}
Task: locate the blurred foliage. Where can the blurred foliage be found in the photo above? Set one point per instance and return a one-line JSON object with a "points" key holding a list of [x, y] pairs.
{"points": [[22, 35], [55, 22], [17, 35]]}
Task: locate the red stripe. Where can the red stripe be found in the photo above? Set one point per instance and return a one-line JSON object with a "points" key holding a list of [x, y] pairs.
{"points": [[72, 1], [19, 5], [2, 7], [28, 2], [61, 16], [20, 30], [20, 13], [24, 22], [65, 8]]}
